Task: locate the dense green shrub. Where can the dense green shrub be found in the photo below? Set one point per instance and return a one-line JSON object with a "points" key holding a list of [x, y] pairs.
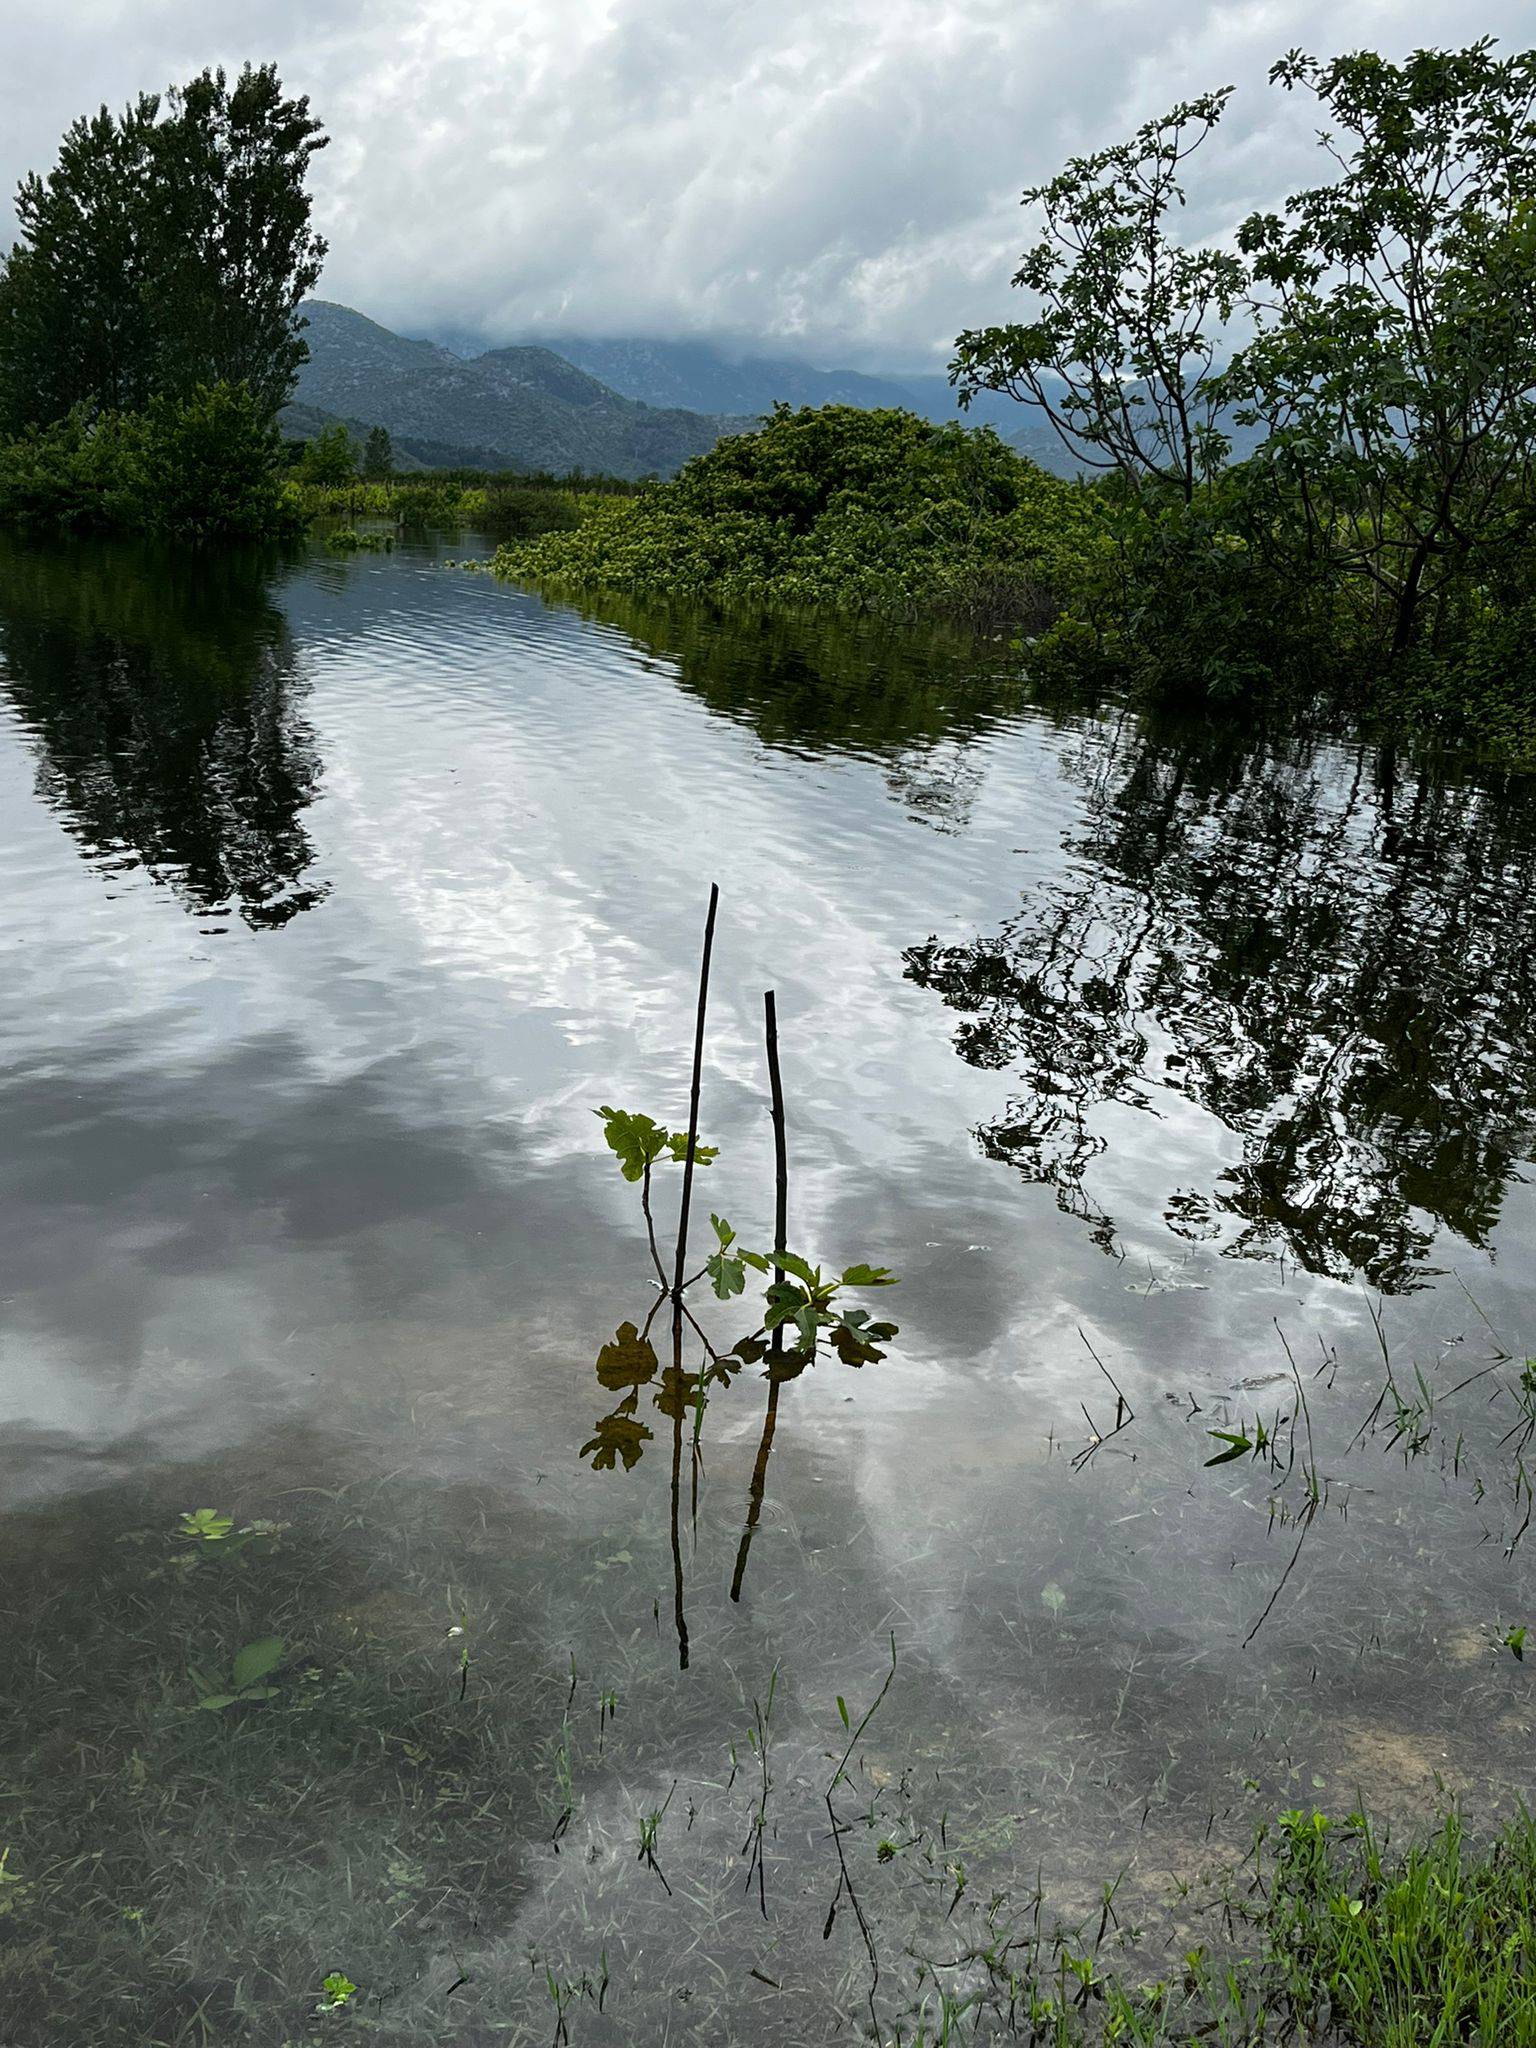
{"points": [[837, 508], [203, 467], [209, 466]]}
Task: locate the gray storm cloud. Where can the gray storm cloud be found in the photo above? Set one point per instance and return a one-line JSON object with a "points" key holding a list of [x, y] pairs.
{"points": [[840, 180]]}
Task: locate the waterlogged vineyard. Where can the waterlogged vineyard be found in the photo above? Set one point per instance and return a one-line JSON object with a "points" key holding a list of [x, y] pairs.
{"points": [[1040, 1554]]}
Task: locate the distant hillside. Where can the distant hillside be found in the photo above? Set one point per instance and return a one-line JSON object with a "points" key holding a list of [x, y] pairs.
{"points": [[520, 408], [626, 407], [411, 456], [705, 377]]}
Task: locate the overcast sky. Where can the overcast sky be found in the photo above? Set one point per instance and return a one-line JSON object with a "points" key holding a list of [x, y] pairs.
{"points": [[837, 179]]}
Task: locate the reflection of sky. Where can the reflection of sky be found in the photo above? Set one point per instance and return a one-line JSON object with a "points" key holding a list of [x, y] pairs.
{"points": [[349, 1168]]}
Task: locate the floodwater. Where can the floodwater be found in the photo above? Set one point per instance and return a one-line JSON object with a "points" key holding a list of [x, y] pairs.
{"points": [[1186, 1076]]}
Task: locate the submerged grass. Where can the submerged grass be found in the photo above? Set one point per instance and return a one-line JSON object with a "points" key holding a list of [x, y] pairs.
{"points": [[348, 1850]]}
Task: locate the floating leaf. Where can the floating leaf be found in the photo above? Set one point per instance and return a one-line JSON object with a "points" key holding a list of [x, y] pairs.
{"points": [[1054, 1597], [1239, 1443]]}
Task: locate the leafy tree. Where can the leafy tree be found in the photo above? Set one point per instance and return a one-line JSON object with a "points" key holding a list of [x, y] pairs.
{"points": [[1394, 370], [330, 458], [167, 249], [1121, 355], [378, 463]]}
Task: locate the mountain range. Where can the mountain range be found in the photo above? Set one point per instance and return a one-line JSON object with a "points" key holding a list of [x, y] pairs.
{"points": [[624, 407]]}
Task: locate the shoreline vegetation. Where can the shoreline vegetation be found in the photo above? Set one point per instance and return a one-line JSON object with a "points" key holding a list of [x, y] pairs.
{"points": [[1307, 454]]}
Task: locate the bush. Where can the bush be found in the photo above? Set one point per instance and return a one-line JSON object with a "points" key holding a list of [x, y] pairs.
{"points": [[833, 507], [204, 467], [330, 458], [209, 466], [77, 474]]}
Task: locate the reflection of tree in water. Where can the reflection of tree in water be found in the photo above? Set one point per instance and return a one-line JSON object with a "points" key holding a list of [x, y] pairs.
{"points": [[1333, 957], [160, 692], [914, 702]]}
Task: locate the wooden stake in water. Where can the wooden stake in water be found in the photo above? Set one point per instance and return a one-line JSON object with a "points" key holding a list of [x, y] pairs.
{"points": [[776, 1341], [678, 1270], [693, 1099]]}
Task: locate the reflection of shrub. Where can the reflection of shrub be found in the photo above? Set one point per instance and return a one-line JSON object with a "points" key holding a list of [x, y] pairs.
{"points": [[206, 466]]}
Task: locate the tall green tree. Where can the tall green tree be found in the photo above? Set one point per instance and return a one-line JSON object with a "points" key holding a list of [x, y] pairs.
{"points": [[168, 248], [1122, 352], [1394, 368], [378, 463], [331, 457]]}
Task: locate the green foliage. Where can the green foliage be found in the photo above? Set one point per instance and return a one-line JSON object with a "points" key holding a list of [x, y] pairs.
{"points": [[346, 540], [330, 458], [1394, 371], [168, 249], [1121, 355], [515, 510], [208, 466], [1367, 544], [639, 1141], [251, 1665], [336, 1991], [203, 467], [877, 512], [378, 463]]}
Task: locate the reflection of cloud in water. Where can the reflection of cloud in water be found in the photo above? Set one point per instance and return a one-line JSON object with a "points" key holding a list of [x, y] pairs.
{"points": [[189, 1251]]}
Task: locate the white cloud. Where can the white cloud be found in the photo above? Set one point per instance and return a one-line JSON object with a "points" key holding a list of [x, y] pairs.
{"points": [[840, 176]]}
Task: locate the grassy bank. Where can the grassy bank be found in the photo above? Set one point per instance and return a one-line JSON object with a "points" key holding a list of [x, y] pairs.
{"points": [[510, 506]]}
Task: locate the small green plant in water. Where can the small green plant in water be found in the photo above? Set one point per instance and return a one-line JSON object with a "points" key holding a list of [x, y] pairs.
{"points": [[209, 1533], [337, 1991], [252, 1664]]}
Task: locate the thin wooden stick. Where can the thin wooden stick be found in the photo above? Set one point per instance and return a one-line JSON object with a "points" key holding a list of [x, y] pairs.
{"points": [[693, 1096], [780, 1145], [776, 1341]]}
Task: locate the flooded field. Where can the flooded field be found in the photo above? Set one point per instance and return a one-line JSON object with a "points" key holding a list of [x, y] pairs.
{"points": [[391, 1646]]}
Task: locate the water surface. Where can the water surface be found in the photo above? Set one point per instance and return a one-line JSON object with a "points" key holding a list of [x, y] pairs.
{"points": [[340, 894]]}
